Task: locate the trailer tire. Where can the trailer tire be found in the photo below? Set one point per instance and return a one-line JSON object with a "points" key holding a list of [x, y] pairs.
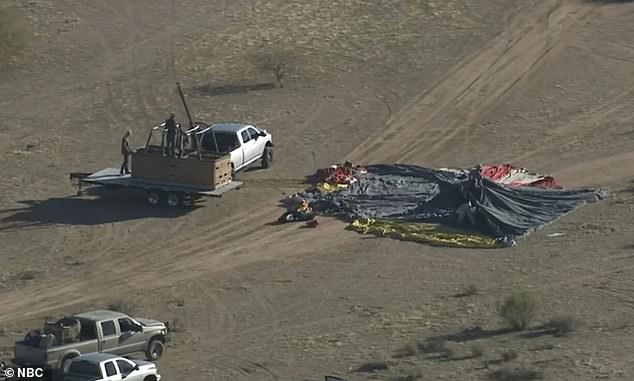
{"points": [[174, 199], [153, 197], [267, 157]]}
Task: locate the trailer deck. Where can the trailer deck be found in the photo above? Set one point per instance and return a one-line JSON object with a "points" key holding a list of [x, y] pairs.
{"points": [[110, 178]]}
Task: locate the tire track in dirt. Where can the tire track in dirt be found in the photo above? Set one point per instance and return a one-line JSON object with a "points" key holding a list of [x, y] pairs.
{"points": [[271, 244], [206, 253], [457, 101], [579, 128]]}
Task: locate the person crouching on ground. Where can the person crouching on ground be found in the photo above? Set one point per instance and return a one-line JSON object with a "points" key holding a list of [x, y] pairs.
{"points": [[126, 151]]}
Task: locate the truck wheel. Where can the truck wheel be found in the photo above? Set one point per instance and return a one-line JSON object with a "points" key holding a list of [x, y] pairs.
{"points": [[267, 157], [154, 350], [153, 197], [174, 199], [150, 378]]}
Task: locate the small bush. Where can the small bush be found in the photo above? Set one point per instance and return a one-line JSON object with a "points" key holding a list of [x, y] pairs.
{"points": [[476, 351], [406, 351], [561, 326], [509, 355], [515, 374], [543, 347], [276, 61], [372, 366], [469, 290], [517, 310], [433, 346]]}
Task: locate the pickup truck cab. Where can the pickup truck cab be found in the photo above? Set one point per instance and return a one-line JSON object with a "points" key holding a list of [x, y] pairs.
{"points": [[109, 367], [100, 331], [246, 143]]}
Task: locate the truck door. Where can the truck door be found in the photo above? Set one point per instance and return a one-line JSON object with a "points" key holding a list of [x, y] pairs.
{"points": [[259, 143], [248, 146], [130, 339], [109, 339], [127, 370], [110, 372]]}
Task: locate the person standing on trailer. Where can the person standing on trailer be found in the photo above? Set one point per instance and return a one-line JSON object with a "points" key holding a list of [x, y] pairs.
{"points": [[171, 129], [126, 151]]}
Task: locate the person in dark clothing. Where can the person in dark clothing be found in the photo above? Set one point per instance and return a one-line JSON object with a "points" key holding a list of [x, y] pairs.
{"points": [[126, 151], [171, 129]]}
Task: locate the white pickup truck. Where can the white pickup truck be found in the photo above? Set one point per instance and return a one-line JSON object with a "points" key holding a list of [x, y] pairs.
{"points": [[246, 143], [110, 367]]}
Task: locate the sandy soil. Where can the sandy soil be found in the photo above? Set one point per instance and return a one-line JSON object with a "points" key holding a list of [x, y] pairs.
{"points": [[545, 85]]}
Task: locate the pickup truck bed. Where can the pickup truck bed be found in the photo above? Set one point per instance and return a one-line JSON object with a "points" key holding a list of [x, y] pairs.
{"points": [[35, 356]]}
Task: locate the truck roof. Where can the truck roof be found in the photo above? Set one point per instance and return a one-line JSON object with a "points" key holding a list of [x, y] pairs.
{"points": [[229, 126], [99, 315], [97, 357]]}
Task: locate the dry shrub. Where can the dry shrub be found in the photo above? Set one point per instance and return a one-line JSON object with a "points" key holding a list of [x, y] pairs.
{"points": [[476, 351], [435, 345], [406, 351], [372, 366], [509, 355], [276, 62], [562, 325], [515, 374], [517, 310], [469, 290]]}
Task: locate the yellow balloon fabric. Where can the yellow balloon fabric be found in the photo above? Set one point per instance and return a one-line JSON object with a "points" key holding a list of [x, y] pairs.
{"points": [[432, 234]]}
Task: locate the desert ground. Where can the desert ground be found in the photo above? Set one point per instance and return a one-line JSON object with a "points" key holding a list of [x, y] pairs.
{"points": [[542, 84]]}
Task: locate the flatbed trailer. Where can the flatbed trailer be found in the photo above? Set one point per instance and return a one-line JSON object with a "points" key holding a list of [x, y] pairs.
{"points": [[172, 194]]}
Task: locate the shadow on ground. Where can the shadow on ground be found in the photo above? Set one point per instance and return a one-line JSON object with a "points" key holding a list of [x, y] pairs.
{"points": [[214, 91], [107, 207], [469, 334]]}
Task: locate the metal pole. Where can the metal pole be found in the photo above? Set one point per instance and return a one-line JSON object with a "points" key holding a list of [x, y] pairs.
{"points": [[198, 143], [213, 135], [191, 122], [147, 143], [180, 92]]}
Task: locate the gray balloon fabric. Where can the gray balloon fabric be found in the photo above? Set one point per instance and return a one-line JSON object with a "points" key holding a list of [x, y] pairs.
{"points": [[460, 199]]}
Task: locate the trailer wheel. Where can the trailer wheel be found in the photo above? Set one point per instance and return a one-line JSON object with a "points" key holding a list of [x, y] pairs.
{"points": [[174, 199], [153, 197], [267, 157]]}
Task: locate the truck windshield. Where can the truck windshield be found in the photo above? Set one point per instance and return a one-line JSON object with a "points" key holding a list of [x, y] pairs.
{"points": [[85, 369], [226, 141]]}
